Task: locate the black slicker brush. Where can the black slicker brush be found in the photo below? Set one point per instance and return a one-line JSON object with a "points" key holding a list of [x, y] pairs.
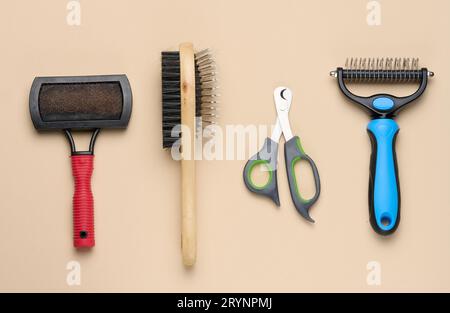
{"points": [[86, 103]]}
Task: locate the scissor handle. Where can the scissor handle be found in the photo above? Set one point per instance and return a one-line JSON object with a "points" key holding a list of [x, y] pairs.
{"points": [[293, 153], [266, 156]]}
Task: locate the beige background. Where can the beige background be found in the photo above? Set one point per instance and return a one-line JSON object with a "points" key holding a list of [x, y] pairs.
{"points": [[245, 242]]}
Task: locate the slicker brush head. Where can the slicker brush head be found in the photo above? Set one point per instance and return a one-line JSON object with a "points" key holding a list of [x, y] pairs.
{"points": [[206, 96], [80, 102], [382, 70]]}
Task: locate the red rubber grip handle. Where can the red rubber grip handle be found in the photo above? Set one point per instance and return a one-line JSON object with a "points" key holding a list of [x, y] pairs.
{"points": [[83, 201]]}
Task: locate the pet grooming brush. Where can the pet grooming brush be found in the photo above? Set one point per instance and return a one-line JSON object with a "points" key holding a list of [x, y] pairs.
{"points": [[81, 103], [384, 189], [189, 100]]}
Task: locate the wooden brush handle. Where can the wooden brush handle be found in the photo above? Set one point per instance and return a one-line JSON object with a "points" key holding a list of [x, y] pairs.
{"points": [[188, 203]]}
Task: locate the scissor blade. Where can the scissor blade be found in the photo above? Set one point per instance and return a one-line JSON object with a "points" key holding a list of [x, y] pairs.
{"points": [[277, 132], [283, 99]]}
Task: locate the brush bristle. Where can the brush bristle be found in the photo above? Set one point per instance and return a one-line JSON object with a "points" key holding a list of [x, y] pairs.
{"points": [[171, 101], [80, 101], [205, 93], [392, 70], [388, 64]]}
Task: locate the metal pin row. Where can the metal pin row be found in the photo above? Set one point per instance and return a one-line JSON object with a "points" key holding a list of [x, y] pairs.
{"points": [[382, 64], [381, 70], [207, 70]]}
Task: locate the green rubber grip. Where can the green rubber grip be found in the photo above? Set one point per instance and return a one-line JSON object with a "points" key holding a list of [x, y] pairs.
{"points": [[293, 153], [267, 156]]}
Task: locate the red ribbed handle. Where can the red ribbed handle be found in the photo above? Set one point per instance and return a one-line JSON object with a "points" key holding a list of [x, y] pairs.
{"points": [[83, 201]]}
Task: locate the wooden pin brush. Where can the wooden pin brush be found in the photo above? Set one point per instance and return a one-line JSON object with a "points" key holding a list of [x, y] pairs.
{"points": [[188, 102]]}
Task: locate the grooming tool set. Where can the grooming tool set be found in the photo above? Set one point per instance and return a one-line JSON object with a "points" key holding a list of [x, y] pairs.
{"points": [[293, 153], [189, 103], [384, 188]]}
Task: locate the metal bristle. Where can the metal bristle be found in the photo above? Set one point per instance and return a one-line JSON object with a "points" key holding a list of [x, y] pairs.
{"points": [[207, 89], [388, 69], [206, 93]]}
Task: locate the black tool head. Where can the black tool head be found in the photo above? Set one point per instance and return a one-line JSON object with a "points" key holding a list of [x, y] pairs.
{"points": [[206, 97], [80, 102], [384, 70]]}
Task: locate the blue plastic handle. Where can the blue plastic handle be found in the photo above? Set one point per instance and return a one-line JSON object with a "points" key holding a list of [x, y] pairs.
{"points": [[384, 192]]}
